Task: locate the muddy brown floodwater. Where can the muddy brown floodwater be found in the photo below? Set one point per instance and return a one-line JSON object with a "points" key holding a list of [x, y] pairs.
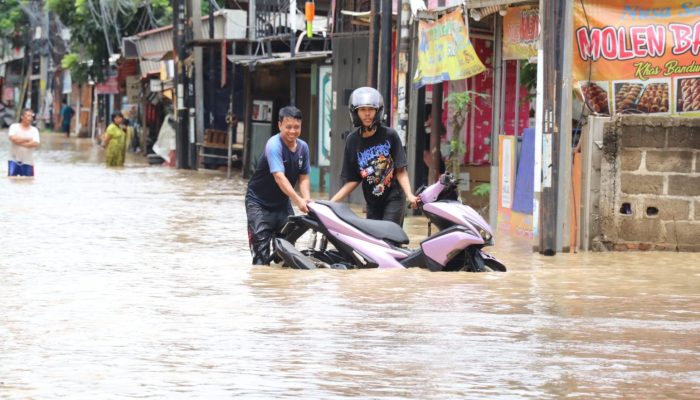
{"points": [[137, 283]]}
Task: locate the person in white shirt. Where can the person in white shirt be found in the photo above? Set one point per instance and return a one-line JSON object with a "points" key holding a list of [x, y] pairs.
{"points": [[24, 138]]}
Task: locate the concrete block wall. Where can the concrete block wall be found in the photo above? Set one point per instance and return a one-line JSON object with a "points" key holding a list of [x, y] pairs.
{"points": [[650, 184]]}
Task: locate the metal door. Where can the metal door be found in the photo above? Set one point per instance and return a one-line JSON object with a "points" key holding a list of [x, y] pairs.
{"points": [[349, 72]]}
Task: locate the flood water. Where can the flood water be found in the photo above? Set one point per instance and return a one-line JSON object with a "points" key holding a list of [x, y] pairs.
{"points": [[137, 283]]}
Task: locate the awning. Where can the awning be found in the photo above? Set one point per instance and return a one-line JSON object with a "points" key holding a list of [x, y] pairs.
{"points": [[10, 54], [490, 3], [278, 58]]}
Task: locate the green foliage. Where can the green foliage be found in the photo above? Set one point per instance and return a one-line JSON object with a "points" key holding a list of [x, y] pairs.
{"points": [[528, 78], [528, 75], [14, 25], [80, 71], [97, 28], [482, 189], [459, 106]]}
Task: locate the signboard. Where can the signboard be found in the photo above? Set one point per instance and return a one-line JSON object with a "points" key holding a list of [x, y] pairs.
{"points": [[110, 86], [521, 31], [155, 85], [133, 89], [506, 184], [262, 110], [636, 56], [325, 102], [445, 52]]}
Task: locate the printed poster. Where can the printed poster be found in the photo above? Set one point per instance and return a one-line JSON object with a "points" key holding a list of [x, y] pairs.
{"points": [[325, 103], [521, 32], [445, 52], [634, 56]]}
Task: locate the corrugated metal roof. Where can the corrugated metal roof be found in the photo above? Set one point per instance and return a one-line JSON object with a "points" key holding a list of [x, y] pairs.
{"points": [[153, 46]]}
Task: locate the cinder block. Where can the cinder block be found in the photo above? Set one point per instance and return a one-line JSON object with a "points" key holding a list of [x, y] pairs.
{"points": [[642, 184], [640, 230], [686, 233], [630, 159], [669, 161], [680, 185], [668, 209], [643, 136], [685, 137]]}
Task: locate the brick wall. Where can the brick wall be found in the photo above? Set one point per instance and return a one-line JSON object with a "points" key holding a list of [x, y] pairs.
{"points": [[650, 184]]}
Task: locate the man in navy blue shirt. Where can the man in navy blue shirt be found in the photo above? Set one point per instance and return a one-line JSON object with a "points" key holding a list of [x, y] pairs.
{"points": [[284, 162]]}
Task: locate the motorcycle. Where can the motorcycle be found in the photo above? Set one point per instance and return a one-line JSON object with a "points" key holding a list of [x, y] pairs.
{"points": [[363, 243]]}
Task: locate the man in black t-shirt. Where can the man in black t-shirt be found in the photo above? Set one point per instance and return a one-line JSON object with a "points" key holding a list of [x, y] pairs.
{"points": [[375, 158]]}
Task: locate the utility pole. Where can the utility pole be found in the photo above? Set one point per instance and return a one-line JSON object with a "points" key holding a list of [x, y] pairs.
{"points": [[436, 116], [43, 68], [402, 87], [198, 110], [556, 125], [385, 59], [180, 109], [372, 59], [212, 62], [292, 47]]}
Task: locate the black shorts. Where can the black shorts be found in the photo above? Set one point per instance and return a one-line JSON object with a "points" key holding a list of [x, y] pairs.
{"points": [[392, 209], [263, 226]]}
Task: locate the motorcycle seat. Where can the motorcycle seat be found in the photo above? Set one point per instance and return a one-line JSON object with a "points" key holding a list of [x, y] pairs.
{"points": [[384, 230]]}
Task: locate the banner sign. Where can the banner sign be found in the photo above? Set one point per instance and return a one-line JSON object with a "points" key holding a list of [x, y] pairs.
{"points": [[325, 103], [133, 89], [521, 30], [445, 52], [110, 86], [637, 56]]}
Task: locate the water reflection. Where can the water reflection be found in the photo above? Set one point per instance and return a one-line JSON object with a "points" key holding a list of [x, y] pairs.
{"points": [[136, 282]]}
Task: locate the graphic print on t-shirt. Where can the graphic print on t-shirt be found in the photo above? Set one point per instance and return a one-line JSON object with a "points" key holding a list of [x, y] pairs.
{"points": [[377, 167]]}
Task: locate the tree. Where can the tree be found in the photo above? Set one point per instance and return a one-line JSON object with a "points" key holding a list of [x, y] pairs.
{"points": [[98, 26], [14, 26]]}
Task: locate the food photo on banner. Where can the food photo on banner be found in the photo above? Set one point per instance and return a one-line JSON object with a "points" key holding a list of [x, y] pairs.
{"points": [[634, 56]]}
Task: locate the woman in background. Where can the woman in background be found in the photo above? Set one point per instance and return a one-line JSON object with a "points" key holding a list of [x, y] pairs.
{"points": [[114, 140]]}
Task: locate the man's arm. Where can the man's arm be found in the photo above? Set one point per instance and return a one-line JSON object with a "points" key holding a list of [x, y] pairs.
{"points": [[305, 187], [288, 189], [345, 190], [23, 142], [402, 178]]}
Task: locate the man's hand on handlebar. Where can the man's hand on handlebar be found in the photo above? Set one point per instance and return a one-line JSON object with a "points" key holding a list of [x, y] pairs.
{"points": [[412, 201]]}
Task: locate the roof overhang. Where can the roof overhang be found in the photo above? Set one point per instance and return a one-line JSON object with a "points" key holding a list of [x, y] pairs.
{"points": [[278, 58]]}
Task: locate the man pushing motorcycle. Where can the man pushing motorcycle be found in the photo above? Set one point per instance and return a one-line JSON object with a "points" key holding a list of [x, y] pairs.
{"points": [[374, 157], [267, 202]]}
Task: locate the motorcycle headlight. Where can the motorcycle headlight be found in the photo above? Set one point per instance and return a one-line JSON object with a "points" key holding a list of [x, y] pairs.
{"points": [[485, 235]]}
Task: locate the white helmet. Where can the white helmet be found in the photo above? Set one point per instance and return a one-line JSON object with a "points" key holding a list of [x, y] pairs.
{"points": [[366, 97]]}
